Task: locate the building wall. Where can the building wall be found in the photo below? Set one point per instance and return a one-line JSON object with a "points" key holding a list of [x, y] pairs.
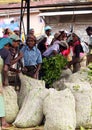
{"points": [[79, 23], [35, 22]]}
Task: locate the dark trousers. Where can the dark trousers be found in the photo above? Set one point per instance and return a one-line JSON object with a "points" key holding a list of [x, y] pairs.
{"points": [[30, 70]]}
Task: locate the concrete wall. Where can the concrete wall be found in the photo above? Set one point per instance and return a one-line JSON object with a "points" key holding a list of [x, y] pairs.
{"points": [[35, 22]]}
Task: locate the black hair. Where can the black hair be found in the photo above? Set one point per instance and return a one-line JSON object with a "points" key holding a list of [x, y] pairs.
{"points": [[70, 43], [89, 28], [62, 47], [6, 31], [41, 45]]}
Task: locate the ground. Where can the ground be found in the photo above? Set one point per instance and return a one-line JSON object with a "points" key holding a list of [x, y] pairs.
{"points": [[35, 128]]}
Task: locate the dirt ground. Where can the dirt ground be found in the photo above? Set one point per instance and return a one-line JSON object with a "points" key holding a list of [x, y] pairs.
{"points": [[35, 128]]}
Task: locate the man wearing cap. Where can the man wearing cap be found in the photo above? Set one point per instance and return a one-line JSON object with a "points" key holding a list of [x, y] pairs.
{"points": [[48, 35], [5, 52]]}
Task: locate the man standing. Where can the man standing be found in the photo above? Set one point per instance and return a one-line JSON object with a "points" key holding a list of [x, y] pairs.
{"points": [[32, 58], [5, 46], [89, 33], [48, 35]]}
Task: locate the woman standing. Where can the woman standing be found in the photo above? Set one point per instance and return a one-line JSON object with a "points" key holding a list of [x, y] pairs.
{"points": [[77, 53]]}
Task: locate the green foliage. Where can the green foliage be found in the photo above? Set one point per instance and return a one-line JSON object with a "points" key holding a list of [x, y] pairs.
{"points": [[52, 68], [90, 66], [90, 72], [82, 128], [76, 87]]}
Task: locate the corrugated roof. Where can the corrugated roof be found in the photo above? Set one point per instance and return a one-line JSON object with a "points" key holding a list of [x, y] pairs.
{"points": [[43, 3], [9, 1]]}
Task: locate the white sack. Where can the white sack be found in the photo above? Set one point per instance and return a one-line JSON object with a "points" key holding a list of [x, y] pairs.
{"points": [[80, 76], [31, 113], [27, 84], [82, 92], [59, 84], [59, 110], [11, 106]]}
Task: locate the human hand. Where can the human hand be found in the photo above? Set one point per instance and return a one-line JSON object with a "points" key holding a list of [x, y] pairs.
{"points": [[18, 71], [20, 55], [35, 76], [24, 70]]}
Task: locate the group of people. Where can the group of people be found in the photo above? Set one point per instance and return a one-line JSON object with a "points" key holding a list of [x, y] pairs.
{"points": [[64, 43], [31, 53], [9, 44], [11, 52]]}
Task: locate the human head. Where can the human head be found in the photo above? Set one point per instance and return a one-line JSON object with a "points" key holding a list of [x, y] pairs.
{"points": [[41, 44], [62, 45], [31, 31], [31, 41], [75, 37], [57, 36], [6, 31], [15, 40], [48, 30], [5, 42], [89, 30], [70, 43], [17, 31], [63, 34]]}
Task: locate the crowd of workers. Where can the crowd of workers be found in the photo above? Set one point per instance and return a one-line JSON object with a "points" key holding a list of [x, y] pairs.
{"points": [[31, 53]]}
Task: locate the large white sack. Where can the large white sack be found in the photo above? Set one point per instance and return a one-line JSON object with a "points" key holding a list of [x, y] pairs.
{"points": [[66, 73], [59, 84], [27, 84], [82, 92], [59, 110], [31, 113], [11, 106], [80, 76]]}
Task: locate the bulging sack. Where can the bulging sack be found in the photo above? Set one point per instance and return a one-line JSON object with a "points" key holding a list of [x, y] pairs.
{"points": [[27, 84], [11, 106], [82, 92], [59, 110], [31, 112]]}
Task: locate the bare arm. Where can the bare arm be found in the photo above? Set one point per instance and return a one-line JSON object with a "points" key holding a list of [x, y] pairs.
{"points": [[15, 60], [5, 75], [54, 52], [37, 71]]}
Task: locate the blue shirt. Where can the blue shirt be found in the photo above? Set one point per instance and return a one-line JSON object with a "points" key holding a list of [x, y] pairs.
{"points": [[31, 56]]}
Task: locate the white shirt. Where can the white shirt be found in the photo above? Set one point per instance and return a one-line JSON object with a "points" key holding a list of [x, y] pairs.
{"points": [[90, 40], [49, 39]]}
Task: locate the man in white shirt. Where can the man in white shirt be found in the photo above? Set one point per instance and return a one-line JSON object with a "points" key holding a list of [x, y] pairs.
{"points": [[48, 35], [89, 33]]}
